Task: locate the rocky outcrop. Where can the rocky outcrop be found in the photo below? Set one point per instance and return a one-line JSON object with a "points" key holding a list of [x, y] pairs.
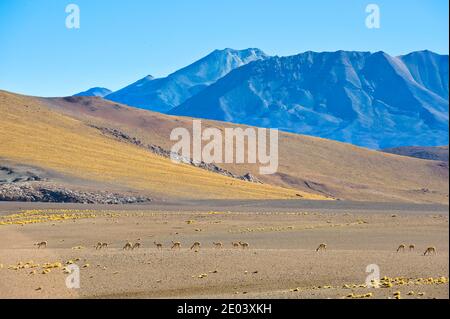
{"points": [[206, 166], [118, 135], [17, 174], [51, 193], [250, 178], [158, 150]]}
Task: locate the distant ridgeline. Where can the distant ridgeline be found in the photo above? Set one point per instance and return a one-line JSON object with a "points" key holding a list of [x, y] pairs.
{"points": [[436, 153], [368, 99]]}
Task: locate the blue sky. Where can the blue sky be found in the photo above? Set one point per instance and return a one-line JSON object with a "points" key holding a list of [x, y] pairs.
{"points": [[121, 41]]}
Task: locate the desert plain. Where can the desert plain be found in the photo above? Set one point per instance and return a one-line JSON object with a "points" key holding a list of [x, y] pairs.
{"points": [[280, 261]]}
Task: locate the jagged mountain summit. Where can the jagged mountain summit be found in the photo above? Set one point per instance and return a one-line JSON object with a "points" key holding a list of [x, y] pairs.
{"points": [[429, 70], [96, 91], [163, 94], [368, 99]]}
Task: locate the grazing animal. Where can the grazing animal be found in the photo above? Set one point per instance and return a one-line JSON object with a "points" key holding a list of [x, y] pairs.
{"points": [[158, 245], [235, 244], [218, 244], [322, 247], [244, 244], [430, 250], [135, 246], [401, 248], [41, 244], [176, 244], [412, 247], [128, 246], [101, 245]]}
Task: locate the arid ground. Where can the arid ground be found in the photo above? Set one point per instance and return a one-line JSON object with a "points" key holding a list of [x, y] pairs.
{"points": [[280, 262], [361, 203]]}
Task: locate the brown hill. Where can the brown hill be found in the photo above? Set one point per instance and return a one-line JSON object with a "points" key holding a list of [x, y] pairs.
{"points": [[306, 163], [78, 156]]}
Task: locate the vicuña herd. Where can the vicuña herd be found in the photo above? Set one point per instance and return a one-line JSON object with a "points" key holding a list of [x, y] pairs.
{"points": [[429, 251], [235, 244]]}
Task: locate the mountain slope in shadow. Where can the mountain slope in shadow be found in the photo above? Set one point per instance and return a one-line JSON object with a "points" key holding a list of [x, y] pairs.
{"points": [[368, 99]]}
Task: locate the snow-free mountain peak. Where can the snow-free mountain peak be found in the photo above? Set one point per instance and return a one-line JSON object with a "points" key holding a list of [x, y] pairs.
{"points": [[166, 93], [96, 91]]}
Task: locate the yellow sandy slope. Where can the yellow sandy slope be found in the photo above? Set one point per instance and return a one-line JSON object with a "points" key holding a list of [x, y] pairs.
{"points": [[306, 163], [33, 134]]}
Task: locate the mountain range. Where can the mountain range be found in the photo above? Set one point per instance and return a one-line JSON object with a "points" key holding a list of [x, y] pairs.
{"points": [[368, 99], [163, 94]]}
